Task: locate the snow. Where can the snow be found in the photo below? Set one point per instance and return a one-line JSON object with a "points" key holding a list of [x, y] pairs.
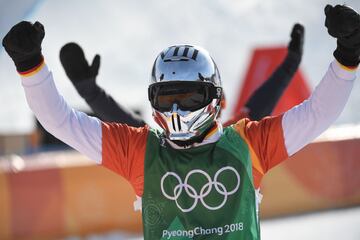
{"points": [[330, 225]]}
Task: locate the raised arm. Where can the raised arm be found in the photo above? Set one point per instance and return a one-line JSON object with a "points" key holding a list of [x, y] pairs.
{"points": [[263, 101], [83, 77], [83, 133], [303, 123], [118, 147], [23, 44], [308, 120], [273, 139]]}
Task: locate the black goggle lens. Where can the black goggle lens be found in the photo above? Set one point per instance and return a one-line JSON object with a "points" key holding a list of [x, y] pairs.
{"points": [[188, 96]]}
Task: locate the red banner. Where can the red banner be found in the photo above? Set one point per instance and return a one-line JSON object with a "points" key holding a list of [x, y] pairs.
{"points": [[263, 63]]}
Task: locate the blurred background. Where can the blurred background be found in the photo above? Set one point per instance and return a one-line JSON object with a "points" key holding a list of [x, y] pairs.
{"points": [[48, 194]]}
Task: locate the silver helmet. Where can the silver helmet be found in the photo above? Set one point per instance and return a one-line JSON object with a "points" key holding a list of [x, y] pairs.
{"points": [[185, 91]]}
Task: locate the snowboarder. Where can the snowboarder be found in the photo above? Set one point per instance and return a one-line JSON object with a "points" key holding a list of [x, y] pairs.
{"points": [[196, 179]]}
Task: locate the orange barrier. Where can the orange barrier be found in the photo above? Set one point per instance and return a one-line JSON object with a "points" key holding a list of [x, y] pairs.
{"points": [[321, 176], [42, 197], [50, 195]]}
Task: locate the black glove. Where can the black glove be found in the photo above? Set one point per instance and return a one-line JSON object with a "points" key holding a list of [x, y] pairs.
{"points": [[343, 23], [79, 72], [296, 43], [76, 67], [294, 55], [23, 44]]}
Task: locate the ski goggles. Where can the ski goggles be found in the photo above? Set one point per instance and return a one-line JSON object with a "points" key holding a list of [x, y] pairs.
{"points": [[189, 96]]}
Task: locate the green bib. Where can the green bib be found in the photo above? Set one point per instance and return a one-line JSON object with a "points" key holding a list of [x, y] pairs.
{"points": [[206, 192]]}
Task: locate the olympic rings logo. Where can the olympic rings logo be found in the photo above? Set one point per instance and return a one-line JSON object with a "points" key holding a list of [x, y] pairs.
{"points": [[205, 190]]}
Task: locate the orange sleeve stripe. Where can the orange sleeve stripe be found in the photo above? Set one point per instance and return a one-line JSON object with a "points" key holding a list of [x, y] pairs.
{"points": [[34, 70], [266, 144], [239, 127], [123, 152]]}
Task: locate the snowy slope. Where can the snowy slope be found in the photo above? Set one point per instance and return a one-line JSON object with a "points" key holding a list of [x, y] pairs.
{"points": [[331, 225]]}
